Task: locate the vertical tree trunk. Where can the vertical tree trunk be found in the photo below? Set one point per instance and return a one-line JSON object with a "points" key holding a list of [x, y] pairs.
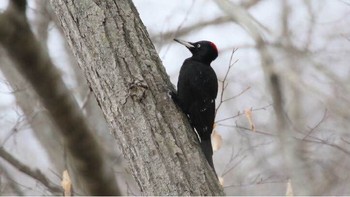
{"points": [[131, 86]]}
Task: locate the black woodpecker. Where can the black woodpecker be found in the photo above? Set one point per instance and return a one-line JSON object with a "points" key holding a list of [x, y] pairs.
{"points": [[197, 89]]}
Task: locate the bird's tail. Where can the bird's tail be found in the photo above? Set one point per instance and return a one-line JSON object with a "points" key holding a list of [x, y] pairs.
{"points": [[208, 152]]}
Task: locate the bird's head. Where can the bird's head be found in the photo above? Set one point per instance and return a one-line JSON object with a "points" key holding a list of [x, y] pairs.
{"points": [[204, 51]]}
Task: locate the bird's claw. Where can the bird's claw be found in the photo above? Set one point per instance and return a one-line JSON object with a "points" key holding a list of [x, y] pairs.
{"points": [[172, 95]]}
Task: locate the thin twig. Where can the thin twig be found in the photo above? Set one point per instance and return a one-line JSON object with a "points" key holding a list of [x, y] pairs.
{"points": [[161, 38], [16, 127], [312, 140], [325, 142], [11, 183], [261, 182], [224, 83], [35, 174], [344, 140], [232, 158], [174, 34], [242, 113], [239, 94], [240, 152], [234, 166], [317, 125]]}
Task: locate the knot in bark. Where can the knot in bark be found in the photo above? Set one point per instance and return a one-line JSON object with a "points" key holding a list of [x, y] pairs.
{"points": [[137, 89]]}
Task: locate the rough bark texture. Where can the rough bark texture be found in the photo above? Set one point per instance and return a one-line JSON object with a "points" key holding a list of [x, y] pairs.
{"points": [[131, 86]]}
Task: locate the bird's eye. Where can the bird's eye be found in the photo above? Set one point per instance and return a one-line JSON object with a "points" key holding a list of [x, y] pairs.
{"points": [[198, 45]]}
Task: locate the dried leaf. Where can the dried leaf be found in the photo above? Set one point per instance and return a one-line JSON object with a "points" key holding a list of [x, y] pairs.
{"points": [[216, 140], [66, 183], [221, 181], [289, 191], [248, 113]]}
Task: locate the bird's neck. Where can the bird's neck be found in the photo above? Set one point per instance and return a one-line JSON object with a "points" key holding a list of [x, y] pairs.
{"points": [[201, 59]]}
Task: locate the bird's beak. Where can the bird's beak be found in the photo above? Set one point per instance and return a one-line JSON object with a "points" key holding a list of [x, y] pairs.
{"points": [[186, 44]]}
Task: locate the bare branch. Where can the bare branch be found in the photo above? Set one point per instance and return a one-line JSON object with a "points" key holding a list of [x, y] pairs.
{"points": [[239, 94], [234, 166], [35, 174], [12, 184], [317, 125], [242, 113], [298, 173], [312, 140], [224, 83], [259, 182], [163, 37]]}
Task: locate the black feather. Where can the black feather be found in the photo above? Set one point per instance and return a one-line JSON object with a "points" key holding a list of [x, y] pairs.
{"points": [[197, 90]]}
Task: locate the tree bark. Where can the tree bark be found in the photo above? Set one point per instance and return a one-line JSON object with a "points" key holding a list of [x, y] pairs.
{"points": [[131, 86]]}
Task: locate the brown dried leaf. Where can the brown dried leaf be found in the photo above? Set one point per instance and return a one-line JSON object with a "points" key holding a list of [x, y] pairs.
{"points": [[66, 183], [216, 140], [248, 113], [289, 191], [221, 181]]}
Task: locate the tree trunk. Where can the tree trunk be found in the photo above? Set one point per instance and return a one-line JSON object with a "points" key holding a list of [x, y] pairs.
{"points": [[131, 86]]}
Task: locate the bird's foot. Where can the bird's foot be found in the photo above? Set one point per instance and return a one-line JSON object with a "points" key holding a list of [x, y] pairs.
{"points": [[173, 96]]}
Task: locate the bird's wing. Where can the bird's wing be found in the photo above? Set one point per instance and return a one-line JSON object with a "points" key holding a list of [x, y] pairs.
{"points": [[202, 111], [204, 84]]}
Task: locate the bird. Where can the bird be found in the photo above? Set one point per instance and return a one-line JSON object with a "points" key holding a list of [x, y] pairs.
{"points": [[197, 90]]}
